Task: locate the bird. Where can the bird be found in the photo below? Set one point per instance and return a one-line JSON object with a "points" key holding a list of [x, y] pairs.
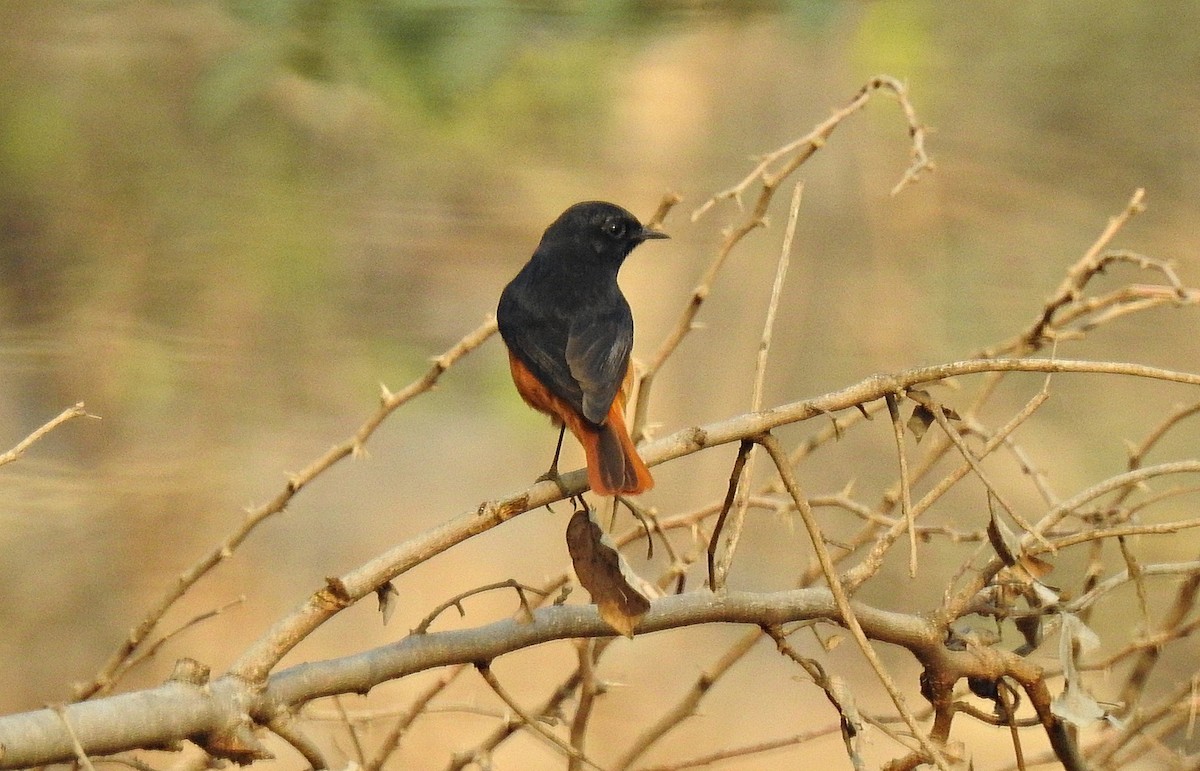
{"points": [[569, 334]]}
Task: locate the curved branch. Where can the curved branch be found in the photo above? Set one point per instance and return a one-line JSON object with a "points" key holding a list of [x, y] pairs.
{"points": [[158, 716], [262, 656], [388, 403]]}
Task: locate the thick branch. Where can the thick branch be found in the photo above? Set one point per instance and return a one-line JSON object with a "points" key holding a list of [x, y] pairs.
{"points": [[158, 716]]}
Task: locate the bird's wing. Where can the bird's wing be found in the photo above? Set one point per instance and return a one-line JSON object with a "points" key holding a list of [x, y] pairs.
{"points": [[598, 348], [540, 342]]}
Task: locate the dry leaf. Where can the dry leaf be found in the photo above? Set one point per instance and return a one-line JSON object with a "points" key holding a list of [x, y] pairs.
{"points": [[922, 415], [621, 596], [999, 537], [1035, 566], [1075, 705], [920, 421], [1030, 628], [1026, 567], [386, 594]]}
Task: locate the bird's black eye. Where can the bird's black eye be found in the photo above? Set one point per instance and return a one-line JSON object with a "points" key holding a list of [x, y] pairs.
{"points": [[614, 228]]}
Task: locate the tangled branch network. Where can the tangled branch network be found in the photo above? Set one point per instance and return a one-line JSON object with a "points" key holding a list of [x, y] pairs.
{"points": [[1007, 645]]}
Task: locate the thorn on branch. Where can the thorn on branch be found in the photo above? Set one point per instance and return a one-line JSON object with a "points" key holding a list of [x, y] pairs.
{"points": [[190, 671], [456, 602]]}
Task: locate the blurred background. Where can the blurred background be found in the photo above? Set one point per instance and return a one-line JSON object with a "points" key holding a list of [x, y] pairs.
{"points": [[224, 223]]}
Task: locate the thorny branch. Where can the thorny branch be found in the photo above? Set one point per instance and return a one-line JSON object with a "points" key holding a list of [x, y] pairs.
{"points": [[746, 463], [770, 178], [389, 403]]}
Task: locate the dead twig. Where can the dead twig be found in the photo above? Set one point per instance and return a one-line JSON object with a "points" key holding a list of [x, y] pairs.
{"points": [[717, 575], [536, 725], [456, 601], [779, 457], [104, 680], [770, 178], [22, 446]]}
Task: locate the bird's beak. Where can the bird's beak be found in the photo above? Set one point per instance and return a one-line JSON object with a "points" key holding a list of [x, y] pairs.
{"points": [[648, 233]]}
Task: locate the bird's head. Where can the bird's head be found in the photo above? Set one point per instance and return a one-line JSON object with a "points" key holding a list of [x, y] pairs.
{"points": [[603, 229]]}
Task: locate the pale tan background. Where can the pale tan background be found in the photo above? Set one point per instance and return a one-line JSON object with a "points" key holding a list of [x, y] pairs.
{"points": [[222, 224]]}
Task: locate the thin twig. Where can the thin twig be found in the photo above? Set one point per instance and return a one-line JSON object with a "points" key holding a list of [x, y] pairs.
{"points": [[551, 707], [849, 619], [359, 755], [883, 543], [389, 402], [757, 748], [1041, 330], [849, 719], [456, 600], [153, 649], [803, 148], [1005, 695], [532, 722], [808, 144], [80, 755], [1123, 577], [717, 577], [588, 689], [905, 494], [953, 607], [133, 763], [685, 707], [1120, 531], [1087, 266], [284, 725], [735, 478], [69, 413], [391, 741], [1138, 452], [939, 414]]}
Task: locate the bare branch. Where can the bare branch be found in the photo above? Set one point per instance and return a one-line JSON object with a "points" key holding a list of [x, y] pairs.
{"points": [[807, 145], [456, 600], [262, 656], [804, 148], [150, 717], [532, 722], [905, 494], [104, 680], [717, 575], [848, 617], [69, 413], [686, 706]]}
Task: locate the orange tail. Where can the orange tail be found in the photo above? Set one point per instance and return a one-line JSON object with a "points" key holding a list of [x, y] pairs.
{"points": [[613, 463]]}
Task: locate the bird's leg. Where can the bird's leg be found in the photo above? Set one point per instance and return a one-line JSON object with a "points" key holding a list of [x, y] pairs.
{"points": [[552, 474]]}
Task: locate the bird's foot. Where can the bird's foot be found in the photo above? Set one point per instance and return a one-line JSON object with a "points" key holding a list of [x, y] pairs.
{"points": [[552, 475]]}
